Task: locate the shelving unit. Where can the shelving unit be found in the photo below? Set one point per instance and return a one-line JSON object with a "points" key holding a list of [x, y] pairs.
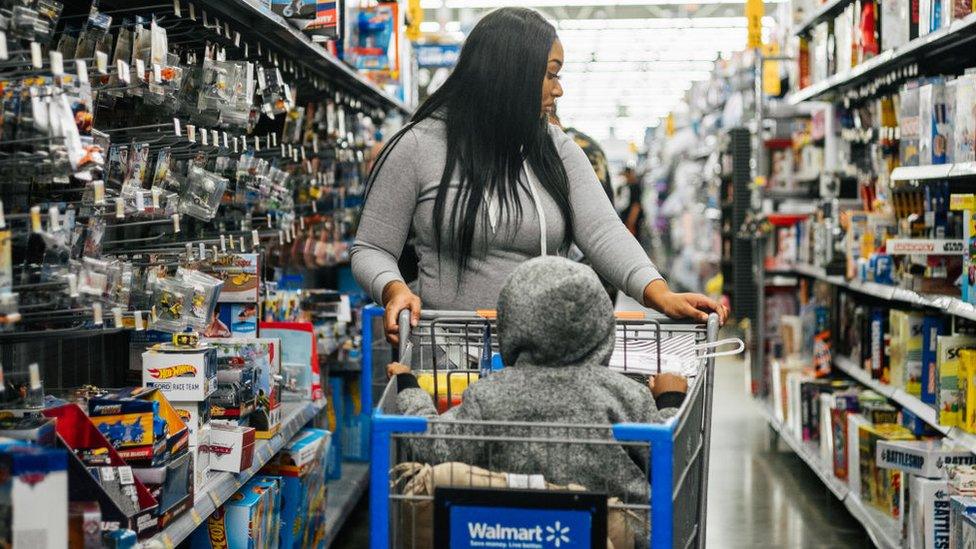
{"points": [[949, 305], [224, 485], [932, 48], [883, 530], [826, 11], [938, 171], [255, 15]]}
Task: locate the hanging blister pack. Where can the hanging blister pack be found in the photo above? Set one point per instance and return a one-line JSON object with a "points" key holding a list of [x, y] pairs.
{"points": [[203, 302], [170, 300], [202, 193]]}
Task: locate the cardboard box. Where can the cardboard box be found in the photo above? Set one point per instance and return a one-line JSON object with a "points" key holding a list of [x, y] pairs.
{"points": [[880, 487], [172, 486], [924, 458], [240, 319], [853, 450], [77, 433], [270, 533], [928, 514], [241, 276], [84, 525], [301, 467], [299, 359], [201, 456], [241, 522], [967, 379], [264, 356], [195, 415], [34, 491], [231, 448], [950, 405], [141, 424], [905, 365], [959, 506], [932, 328], [181, 375]]}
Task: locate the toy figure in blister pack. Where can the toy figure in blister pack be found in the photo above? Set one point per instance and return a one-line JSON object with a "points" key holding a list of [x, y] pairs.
{"points": [[205, 290], [203, 193], [170, 300]]}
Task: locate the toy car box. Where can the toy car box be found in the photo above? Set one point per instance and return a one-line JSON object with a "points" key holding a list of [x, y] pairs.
{"points": [[171, 485], [181, 373], [240, 522], [301, 467], [141, 424], [231, 448], [77, 433], [235, 356]]}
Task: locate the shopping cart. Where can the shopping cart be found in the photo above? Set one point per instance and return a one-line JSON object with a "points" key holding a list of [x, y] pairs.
{"points": [[450, 350]]}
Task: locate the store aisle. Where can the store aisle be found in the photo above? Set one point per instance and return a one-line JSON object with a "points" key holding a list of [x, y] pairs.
{"points": [[759, 497]]}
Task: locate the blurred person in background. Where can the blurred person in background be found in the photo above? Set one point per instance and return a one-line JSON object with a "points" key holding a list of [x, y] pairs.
{"points": [[633, 215], [592, 149]]}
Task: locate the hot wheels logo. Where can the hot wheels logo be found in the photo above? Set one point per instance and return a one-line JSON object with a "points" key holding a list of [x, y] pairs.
{"points": [[181, 370], [216, 529]]}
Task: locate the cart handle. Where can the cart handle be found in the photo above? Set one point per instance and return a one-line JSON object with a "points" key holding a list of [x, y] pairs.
{"points": [[739, 347]]}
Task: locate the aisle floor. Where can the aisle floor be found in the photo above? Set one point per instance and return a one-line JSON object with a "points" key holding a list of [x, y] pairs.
{"points": [[758, 498]]}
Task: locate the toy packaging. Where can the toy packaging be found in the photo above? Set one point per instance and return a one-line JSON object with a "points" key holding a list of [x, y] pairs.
{"points": [[299, 359], [34, 492], [879, 487], [909, 124], [905, 367], [301, 467], [241, 319], [231, 448], [967, 380], [928, 513], [141, 424], [84, 525], [171, 485], [959, 506], [949, 394], [924, 458], [335, 410], [240, 522], [932, 327], [263, 357], [964, 127], [181, 374], [239, 273], [196, 416]]}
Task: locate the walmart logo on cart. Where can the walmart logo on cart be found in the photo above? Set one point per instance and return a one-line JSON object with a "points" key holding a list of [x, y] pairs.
{"points": [[496, 535]]}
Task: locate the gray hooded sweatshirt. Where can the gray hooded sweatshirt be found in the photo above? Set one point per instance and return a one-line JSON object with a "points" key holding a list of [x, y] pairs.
{"points": [[556, 334]]}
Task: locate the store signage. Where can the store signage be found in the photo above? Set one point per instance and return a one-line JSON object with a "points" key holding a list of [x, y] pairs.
{"points": [[925, 246], [431, 56], [525, 519]]}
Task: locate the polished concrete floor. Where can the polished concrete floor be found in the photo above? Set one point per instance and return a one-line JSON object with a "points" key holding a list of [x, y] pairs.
{"points": [[758, 497]]}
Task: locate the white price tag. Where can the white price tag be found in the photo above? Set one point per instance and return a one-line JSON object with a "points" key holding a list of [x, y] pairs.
{"points": [[237, 39], [36, 60], [226, 143], [223, 244], [235, 145], [156, 191], [140, 201], [57, 62], [177, 129], [176, 223], [117, 317], [177, 9], [101, 62], [204, 137], [191, 133], [215, 138], [140, 70], [157, 73], [123, 69], [82, 69], [119, 208], [4, 54], [255, 238], [193, 12], [98, 188], [257, 143], [227, 29], [97, 314], [274, 139], [140, 323]]}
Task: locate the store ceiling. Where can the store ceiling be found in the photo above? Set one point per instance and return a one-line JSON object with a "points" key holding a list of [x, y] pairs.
{"points": [[628, 62]]}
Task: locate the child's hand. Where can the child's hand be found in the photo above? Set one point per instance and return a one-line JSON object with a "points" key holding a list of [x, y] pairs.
{"points": [[395, 368], [667, 383]]}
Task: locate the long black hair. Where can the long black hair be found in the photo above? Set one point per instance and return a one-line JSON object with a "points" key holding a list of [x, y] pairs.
{"points": [[492, 107]]}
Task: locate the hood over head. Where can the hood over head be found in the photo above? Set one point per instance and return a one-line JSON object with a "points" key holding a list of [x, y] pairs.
{"points": [[554, 312]]}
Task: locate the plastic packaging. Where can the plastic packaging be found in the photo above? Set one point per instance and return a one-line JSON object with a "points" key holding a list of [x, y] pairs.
{"points": [[203, 302], [202, 194]]}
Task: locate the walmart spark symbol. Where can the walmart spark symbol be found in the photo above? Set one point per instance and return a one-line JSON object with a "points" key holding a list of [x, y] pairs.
{"points": [[557, 534]]}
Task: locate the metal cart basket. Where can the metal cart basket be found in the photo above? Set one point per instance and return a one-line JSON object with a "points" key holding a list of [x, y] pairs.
{"points": [[449, 350]]}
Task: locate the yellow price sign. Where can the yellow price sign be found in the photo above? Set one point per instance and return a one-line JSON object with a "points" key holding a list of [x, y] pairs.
{"points": [[754, 14]]}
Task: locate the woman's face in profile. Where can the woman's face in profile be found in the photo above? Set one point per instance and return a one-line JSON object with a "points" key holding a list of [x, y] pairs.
{"points": [[551, 89]]}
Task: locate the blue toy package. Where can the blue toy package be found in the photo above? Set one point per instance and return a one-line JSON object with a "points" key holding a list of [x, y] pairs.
{"points": [[300, 467], [916, 425], [271, 525], [239, 319], [240, 523], [932, 328], [355, 427], [335, 412]]}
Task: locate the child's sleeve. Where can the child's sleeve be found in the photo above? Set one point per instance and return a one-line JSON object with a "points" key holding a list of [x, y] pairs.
{"points": [[412, 400]]}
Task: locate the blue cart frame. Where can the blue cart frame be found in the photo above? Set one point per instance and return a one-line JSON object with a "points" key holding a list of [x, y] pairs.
{"points": [[679, 450]]}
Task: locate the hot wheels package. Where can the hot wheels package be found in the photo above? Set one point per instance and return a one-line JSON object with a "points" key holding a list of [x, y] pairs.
{"points": [[171, 300], [206, 291], [202, 193]]}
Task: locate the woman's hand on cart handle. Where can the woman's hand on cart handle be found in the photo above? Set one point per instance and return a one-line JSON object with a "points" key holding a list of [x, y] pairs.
{"points": [[696, 307], [397, 297], [394, 369]]}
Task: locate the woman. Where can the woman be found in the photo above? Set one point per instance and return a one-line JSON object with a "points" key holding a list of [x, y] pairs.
{"points": [[486, 183]]}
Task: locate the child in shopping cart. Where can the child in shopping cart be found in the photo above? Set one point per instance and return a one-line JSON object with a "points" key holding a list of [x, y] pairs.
{"points": [[556, 332]]}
